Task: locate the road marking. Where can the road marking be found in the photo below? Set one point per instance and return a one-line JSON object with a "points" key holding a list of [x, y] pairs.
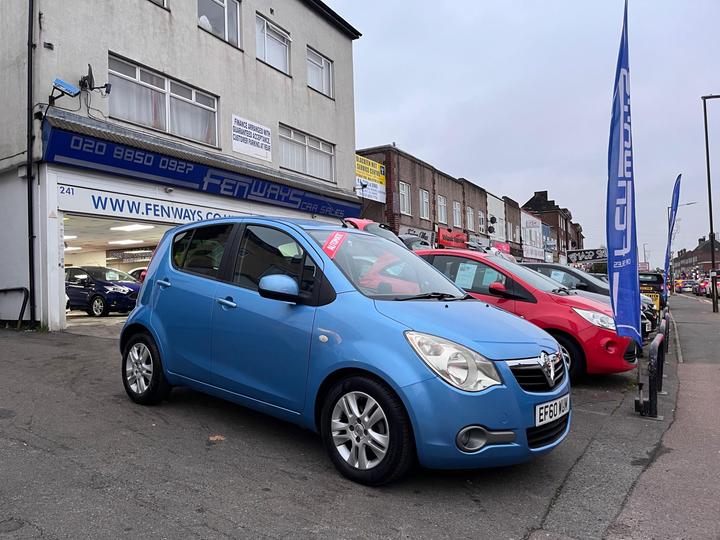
{"points": [[677, 339]]}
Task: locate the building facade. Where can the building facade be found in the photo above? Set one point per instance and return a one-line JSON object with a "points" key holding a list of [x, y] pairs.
{"points": [[513, 224], [566, 235], [532, 237], [692, 263], [192, 110]]}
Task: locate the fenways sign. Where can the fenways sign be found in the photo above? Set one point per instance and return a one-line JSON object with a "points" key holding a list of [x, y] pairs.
{"points": [[66, 148]]}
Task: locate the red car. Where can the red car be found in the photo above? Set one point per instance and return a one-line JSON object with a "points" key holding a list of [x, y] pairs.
{"points": [[584, 328], [380, 229]]}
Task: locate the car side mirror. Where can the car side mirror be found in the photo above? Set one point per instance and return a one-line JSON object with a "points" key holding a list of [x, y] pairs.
{"points": [[279, 287], [85, 282], [582, 286], [498, 289]]}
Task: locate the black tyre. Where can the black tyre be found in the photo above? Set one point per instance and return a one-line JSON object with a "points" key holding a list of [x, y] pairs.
{"points": [[574, 357], [366, 431], [142, 371], [98, 307]]}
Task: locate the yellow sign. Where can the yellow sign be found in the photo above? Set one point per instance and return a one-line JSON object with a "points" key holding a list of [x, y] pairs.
{"points": [[369, 179]]}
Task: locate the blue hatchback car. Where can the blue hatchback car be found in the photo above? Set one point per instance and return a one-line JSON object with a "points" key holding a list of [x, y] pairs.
{"points": [[347, 334]]}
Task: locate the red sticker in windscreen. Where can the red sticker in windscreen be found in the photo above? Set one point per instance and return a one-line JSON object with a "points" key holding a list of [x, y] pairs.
{"points": [[333, 243]]}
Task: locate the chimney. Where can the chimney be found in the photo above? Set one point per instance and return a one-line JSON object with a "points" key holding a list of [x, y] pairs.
{"points": [[701, 240]]}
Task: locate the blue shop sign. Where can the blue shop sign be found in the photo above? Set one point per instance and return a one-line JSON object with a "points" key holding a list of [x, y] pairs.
{"points": [[67, 148]]}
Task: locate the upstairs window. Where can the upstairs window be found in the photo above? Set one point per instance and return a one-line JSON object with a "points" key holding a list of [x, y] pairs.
{"points": [[441, 209], [144, 97], [222, 18], [424, 204], [457, 214], [481, 221], [272, 44], [306, 154], [405, 199], [470, 218], [320, 73]]}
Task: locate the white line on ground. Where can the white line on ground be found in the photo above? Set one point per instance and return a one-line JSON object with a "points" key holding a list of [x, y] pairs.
{"points": [[677, 339]]}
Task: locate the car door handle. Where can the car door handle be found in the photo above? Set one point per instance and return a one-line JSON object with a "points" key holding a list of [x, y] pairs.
{"points": [[163, 282], [226, 302]]}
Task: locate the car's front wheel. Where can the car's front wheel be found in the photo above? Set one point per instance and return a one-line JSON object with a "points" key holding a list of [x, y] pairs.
{"points": [[573, 356], [142, 372], [366, 431], [98, 307]]}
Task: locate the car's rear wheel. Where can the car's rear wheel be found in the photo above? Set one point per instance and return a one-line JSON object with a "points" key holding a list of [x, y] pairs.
{"points": [[366, 431], [573, 356], [98, 307], [142, 371]]}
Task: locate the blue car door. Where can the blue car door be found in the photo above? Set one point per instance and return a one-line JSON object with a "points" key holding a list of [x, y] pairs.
{"points": [[261, 346], [76, 286], [183, 294]]}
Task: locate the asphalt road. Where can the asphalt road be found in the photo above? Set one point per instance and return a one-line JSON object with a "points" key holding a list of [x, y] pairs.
{"points": [[79, 460]]}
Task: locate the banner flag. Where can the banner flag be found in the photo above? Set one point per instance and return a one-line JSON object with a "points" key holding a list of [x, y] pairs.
{"points": [[620, 219], [671, 227]]}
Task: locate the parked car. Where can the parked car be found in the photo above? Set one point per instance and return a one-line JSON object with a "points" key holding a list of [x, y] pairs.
{"points": [[379, 229], [601, 277], [99, 290], [414, 242], [572, 278], [687, 286], [653, 285], [139, 273], [279, 315], [701, 286], [584, 328]]}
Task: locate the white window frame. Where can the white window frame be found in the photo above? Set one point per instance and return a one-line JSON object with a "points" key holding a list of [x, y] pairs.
{"points": [[168, 93], [442, 209], [405, 205], [481, 221], [457, 214], [424, 204], [470, 218], [225, 5], [324, 64], [286, 37], [323, 146]]}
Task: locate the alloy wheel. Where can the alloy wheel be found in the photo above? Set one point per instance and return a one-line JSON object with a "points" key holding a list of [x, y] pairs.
{"points": [[98, 306], [360, 430], [139, 368], [566, 356]]}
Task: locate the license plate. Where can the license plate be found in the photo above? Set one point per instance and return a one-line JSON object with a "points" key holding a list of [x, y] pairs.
{"points": [[552, 410]]}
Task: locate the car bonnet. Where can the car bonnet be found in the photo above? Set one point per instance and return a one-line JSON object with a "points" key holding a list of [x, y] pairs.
{"points": [[494, 333]]}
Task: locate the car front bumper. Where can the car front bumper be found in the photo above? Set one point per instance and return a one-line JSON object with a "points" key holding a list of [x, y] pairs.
{"points": [[605, 351], [121, 302], [439, 412]]}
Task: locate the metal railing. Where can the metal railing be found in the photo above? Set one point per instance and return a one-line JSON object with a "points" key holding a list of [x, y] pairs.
{"points": [[26, 295], [647, 406]]}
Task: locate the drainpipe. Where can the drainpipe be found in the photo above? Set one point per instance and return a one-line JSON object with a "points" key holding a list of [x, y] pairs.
{"points": [[29, 164]]}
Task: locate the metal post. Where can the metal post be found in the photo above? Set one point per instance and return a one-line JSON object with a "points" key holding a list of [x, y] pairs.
{"points": [[709, 185]]}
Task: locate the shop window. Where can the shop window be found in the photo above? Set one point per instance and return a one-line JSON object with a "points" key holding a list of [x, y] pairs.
{"points": [[222, 18], [149, 99], [405, 207], [306, 154], [272, 44], [320, 72]]}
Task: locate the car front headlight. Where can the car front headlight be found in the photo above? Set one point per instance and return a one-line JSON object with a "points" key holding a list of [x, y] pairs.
{"points": [[117, 288], [457, 365], [596, 318]]}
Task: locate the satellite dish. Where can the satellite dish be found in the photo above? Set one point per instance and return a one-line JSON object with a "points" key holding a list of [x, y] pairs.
{"points": [[87, 82]]}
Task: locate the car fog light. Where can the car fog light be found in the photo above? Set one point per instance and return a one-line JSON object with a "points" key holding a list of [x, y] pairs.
{"points": [[472, 438]]}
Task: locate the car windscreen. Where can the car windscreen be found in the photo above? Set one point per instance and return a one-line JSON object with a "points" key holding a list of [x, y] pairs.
{"points": [[109, 274], [382, 269], [529, 276], [653, 279], [592, 279]]}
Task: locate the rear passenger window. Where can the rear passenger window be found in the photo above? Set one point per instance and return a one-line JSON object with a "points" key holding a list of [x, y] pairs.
{"points": [[201, 250], [265, 252]]}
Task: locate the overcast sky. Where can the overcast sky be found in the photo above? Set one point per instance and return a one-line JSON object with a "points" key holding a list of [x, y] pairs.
{"points": [[516, 95]]}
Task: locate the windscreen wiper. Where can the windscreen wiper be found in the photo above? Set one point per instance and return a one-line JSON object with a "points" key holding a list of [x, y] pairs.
{"points": [[438, 295]]}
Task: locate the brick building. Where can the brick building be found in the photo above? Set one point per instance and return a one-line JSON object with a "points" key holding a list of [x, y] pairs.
{"points": [[567, 235], [695, 262]]}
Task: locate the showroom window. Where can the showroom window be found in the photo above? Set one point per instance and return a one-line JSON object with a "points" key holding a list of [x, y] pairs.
{"points": [[306, 154], [405, 207], [442, 209], [200, 251], [457, 214], [470, 218], [265, 251], [144, 97], [272, 44], [424, 204], [320, 72], [221, 18]]}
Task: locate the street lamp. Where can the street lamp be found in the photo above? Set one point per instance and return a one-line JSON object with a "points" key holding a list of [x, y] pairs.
{"points": [[709, 185]]}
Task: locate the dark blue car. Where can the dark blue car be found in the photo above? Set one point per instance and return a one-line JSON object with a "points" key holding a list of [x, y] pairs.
{"points": [[99, 290]]}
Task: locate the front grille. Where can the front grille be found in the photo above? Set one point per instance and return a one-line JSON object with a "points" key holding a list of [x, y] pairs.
{"points": [[531, 378], [632, 352], [547, 433]]}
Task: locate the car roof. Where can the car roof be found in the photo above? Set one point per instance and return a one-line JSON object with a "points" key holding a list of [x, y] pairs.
{"points": [[302, 223]]}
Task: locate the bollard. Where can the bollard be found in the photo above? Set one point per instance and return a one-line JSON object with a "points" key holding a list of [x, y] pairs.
{"points": [[660, 359], [666, 318], [648, 407]]}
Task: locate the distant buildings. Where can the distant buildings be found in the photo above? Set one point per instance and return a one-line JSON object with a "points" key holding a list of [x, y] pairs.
{"points": [[693, 262], [456, 212]]}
